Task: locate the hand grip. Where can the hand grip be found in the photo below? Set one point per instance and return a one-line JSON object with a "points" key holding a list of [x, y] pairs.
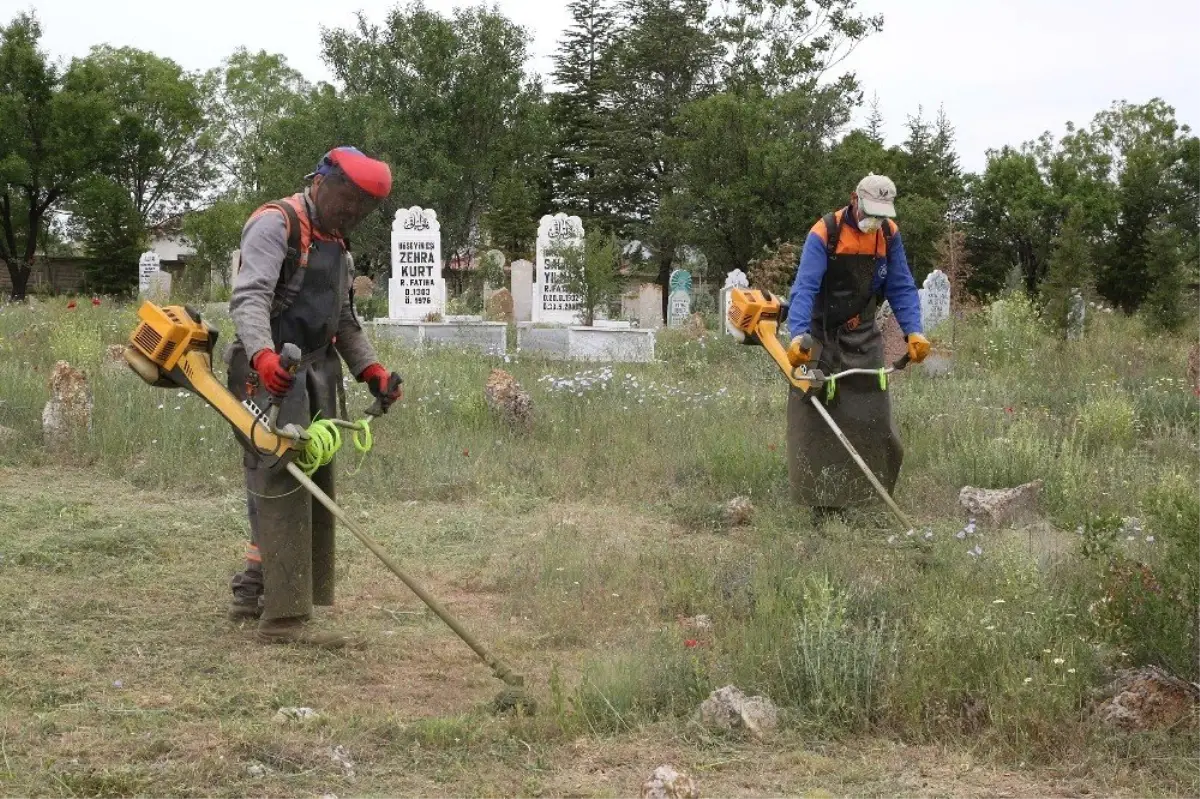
{"points": [[901, 362], [800, 351], [289, 357], [393, 384]]}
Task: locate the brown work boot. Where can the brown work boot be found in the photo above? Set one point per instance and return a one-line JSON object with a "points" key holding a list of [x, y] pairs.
{"points": [[296, 631], [244, 608]]}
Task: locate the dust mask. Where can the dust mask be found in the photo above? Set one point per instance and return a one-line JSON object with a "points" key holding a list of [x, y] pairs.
{"points": [[870, 224]]}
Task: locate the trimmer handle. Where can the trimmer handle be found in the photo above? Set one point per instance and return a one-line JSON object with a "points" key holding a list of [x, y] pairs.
{"points": [[393, 384], [901, 362], [289, 359]]}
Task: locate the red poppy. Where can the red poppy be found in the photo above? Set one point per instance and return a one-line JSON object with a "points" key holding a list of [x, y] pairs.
{"points": [[1008, 410], [95, 302], [71, 305], [691, 643]]}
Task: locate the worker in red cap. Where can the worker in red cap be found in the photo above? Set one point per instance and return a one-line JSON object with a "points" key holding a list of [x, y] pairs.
{"points": [[293, 286]]}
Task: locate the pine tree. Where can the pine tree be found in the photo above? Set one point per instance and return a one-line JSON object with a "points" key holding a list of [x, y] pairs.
{"points": [[875, 121], [583, 70], [1069, 269], [1164, 305]]}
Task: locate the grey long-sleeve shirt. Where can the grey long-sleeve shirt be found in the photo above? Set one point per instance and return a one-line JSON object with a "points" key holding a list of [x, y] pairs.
{"points": [[264, 246]]}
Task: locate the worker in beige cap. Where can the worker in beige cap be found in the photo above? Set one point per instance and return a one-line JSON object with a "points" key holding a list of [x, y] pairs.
{"points": [[852, 260]]}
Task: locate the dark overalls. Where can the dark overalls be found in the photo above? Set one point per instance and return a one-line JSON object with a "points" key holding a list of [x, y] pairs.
{"points": [[821, 472], [292, 532]]}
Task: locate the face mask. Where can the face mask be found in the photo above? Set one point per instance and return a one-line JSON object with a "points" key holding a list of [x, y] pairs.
{"points": [[870, 224]]}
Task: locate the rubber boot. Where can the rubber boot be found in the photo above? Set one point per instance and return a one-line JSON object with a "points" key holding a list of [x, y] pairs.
{"points": [[296, 631]]}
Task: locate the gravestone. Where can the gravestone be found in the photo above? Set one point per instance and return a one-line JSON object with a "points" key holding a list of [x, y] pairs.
{"points": [[649, 310], [417, 288], [679, 301], [935, 300], [68, 414], [522, 290], [499, 307], [235, 263], [1076, 314], [148, 266], [552, 303], [734, 280]]}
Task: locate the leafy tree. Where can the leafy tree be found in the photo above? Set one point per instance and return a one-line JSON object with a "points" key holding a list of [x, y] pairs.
{"points": [[250, 93], [755, 171], [162, 138], [108, 223], [744, 161], [51, 139], [216, 232], [441, 100], [1006, 223]]}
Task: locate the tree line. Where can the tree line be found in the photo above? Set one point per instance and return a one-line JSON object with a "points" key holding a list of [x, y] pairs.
{"points": [[692, 135]]}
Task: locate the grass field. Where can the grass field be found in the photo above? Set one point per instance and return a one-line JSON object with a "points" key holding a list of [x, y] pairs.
{"points": [[945, 663]]}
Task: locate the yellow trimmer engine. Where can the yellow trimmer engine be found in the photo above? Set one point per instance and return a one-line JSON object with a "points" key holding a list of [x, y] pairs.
{"points": [[754, 317], [172, 347]]}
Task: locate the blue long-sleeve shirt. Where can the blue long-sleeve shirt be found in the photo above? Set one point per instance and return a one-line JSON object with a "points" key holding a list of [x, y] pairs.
{"points": [[892, 276]]}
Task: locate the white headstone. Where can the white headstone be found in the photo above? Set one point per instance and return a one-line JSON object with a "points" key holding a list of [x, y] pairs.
{"points": [[148, 266], [935, 300], [734, 280], [417, 288], [552, 303], [679, 301], [650, 306], [1076, 314], [522, 290]]}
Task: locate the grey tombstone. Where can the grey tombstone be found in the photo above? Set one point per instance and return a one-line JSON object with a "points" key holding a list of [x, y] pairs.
{"points": [[235, 263], [522, 290], [148, 266], [1076, 315], [935, 300], [679, 301], [734, 280], [417, 288], [649, 306]]}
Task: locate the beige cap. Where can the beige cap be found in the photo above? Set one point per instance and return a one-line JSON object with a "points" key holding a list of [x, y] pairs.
{"points": [[877, 196]]}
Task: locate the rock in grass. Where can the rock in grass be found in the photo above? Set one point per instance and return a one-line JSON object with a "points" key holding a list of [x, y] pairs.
{"points": [[667, 783], [729, 709], [302, 715], [68, 413], [1149, 699], [738, 511], [1002, 506], [507, 400]]}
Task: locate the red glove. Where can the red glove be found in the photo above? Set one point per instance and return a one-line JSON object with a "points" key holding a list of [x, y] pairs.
{"points": [[273, 375], [377, 378]]}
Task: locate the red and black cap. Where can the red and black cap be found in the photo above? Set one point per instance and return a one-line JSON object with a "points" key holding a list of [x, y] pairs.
{"points": [[372, 176]]}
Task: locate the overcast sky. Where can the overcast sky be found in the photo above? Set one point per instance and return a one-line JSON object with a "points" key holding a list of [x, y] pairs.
{"points": [[1005, 70]]}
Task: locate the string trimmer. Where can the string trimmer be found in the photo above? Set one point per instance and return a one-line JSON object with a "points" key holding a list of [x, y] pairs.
{"points": [[754, 317], [172, 347]]}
